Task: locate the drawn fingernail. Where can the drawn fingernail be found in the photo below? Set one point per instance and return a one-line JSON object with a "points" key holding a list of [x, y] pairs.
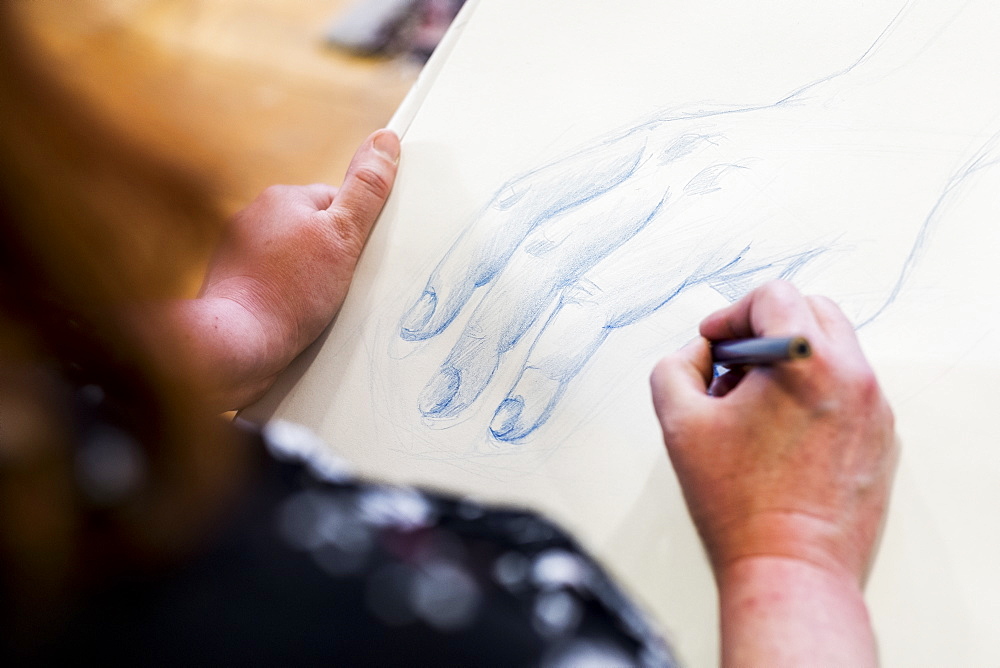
{"points": [[416, 319], [516, 418], [506, 424], [439, 392]]}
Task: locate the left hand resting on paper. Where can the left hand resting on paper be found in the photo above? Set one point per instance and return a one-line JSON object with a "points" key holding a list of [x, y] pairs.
{"points": [[280, 274]]}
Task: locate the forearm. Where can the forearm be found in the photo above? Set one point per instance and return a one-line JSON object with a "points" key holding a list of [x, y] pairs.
{"points": [[776, 611]]}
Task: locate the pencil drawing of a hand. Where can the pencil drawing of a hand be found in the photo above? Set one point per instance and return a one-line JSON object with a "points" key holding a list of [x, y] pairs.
{"points": [[604, 237], [577, 242]]}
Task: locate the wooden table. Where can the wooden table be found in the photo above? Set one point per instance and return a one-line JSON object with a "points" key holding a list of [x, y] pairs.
{"points": [[245, 87]]}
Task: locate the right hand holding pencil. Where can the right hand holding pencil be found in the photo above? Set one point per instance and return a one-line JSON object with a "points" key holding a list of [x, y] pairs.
{"points": [[786, 473]]}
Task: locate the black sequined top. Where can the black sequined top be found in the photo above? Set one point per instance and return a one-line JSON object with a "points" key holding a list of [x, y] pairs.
{"points": [[317, 568]]}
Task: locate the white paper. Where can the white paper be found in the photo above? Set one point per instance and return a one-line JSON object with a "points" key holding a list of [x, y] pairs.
{"points": [[846, 145]]}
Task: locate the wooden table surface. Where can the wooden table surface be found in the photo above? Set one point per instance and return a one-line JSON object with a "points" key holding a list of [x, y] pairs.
{"points": [[246, 88]]}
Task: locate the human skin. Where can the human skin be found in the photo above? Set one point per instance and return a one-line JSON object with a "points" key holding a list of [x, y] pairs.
{"points": [[787, 477], [279, 275]]}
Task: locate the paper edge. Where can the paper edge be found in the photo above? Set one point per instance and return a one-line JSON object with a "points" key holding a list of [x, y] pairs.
{"points": [[414, 100]]}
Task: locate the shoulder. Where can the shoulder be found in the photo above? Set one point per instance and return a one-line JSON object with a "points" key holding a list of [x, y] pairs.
{"points": [[455, 570]]}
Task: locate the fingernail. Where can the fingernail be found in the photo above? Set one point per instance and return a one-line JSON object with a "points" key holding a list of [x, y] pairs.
{"points": [[506, 423], [439, 392], [386, 143], [416, 319]]}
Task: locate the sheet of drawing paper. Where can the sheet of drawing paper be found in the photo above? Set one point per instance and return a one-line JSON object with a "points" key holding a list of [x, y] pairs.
{"points": [[582, 181]]}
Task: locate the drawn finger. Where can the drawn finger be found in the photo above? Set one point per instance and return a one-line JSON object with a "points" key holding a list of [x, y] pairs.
{"points": [[564, 347], [571, 336], [586, 316], [551, 259], [515, 211], [638, 279]]}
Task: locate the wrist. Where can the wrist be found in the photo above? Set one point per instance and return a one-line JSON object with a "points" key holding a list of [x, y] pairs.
{"points": [[795, 536], [783, 611], [216, 343]]}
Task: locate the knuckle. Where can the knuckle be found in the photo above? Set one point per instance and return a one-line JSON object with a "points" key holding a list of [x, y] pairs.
{"points": [[682, 432], [346, 232], [828, 309], [656, 377], [867, 387], [659, 377], [275, 192], [774, 296], [374, 180], [888, 416], [823, 302], [777, 289]]}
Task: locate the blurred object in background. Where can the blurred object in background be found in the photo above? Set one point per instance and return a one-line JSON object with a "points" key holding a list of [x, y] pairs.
{"points": [[370, 27], [411, 28], [245, 91]]}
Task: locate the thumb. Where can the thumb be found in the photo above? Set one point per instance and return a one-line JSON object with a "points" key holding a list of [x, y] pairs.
{"points": [[367, 184]]}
